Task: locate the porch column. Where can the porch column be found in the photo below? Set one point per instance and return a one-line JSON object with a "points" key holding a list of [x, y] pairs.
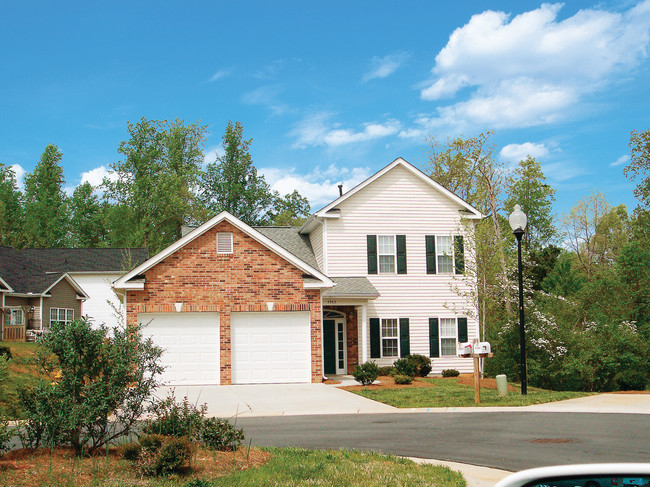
{"points": [[364, 332]]}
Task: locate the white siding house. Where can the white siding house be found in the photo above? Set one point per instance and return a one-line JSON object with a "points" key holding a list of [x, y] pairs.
{"points": [[102, 304]]}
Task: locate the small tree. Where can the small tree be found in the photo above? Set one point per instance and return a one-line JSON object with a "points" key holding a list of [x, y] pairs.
{"points": [[100, 384]]}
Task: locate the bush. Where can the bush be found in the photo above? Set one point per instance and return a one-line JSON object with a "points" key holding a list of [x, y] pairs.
{"points": [[151, 443], [366, 373], [98, 377], [450, 373], [631, 380], [175, 419], [422, 364], [171, 457], [131, 451], [390, 370], [404, 366], [5, 351], [221, 435], [402, 379]]}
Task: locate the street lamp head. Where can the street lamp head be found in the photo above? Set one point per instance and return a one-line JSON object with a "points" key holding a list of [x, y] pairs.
{"points": [[518, 219]]}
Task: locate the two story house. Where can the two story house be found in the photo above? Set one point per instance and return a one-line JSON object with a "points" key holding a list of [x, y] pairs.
{"points": [[378, 274]]}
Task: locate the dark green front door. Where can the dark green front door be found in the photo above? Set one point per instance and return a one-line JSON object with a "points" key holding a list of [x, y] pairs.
{"points": [[329, 346]]}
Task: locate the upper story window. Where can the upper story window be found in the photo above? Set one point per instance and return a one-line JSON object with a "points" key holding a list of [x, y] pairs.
{"points": [[386, 254], [14, 317], [445, 254], [224, 243], [61, 315]]}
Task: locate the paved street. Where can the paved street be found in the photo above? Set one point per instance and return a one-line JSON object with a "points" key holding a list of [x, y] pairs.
{"points": [[510, 441]]}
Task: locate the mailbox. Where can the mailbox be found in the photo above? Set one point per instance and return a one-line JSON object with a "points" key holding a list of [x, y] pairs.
{"points": [[465, 349], [482, 348]]}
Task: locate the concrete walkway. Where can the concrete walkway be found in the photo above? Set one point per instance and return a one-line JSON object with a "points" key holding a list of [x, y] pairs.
{"points": [[475, 476]]}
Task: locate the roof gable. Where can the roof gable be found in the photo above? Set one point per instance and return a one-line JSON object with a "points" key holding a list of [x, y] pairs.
{"points": [[123, 282], [472, 213]]}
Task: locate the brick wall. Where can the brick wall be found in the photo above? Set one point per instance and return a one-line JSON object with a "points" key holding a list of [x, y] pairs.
{"points": [[242, 281]]}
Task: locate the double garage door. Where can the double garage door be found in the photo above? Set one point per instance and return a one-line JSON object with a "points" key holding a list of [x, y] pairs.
{"points": [[265, 347]]}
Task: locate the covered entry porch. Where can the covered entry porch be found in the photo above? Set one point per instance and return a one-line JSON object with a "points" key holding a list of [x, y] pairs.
{"points": [[345, 324]]}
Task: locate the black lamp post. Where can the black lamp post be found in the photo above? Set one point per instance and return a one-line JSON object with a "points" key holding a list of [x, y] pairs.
{"points": [[518, 224]]}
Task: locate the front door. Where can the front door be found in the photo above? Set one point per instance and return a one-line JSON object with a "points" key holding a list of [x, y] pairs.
{"points": [[334, 346]]}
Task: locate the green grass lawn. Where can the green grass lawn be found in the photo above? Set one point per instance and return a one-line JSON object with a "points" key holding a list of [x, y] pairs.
{"points": [[21, 374], [295, 466], [449, 393]]}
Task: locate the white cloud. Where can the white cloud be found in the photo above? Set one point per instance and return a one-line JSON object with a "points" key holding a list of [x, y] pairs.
{"points": [[532, 68], [382, 67], [317, 130], [211, 154], [97, 175], [562, 171], [222, 73], [20, 175], [320, 187], [518, 152], [620, 161]]}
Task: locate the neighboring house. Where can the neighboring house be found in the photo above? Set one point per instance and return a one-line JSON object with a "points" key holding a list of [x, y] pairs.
{"points": [[41, 286], [377, 274]]}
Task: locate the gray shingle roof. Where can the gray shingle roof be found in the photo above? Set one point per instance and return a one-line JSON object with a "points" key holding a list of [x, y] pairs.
{"points": [[348, 287], [35, 270], [289, 239]]}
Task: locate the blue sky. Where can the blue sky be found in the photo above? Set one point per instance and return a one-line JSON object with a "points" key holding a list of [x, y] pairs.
{"points": [[332, 91]]}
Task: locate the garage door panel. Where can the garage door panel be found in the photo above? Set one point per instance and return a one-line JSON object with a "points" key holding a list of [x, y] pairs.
{"points": [[191, 346], [271, 347]]}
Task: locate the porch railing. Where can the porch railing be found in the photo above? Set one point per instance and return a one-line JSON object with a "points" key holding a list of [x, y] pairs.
{"points": [[13, 333]]}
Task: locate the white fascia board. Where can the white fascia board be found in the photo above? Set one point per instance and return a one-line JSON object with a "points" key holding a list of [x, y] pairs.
{"points": [[121, 283], [317, 285], [474, 213], [7, 286], [72, 282]]}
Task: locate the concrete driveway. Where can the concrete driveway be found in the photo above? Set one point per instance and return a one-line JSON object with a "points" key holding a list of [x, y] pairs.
{"points": [[275, 400]]}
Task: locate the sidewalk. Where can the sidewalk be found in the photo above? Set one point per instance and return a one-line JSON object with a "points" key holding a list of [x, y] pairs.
{"points": [[475, 476]]}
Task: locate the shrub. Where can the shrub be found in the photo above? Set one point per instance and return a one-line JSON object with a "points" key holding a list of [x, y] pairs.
{"points": [[151, 443], [450, 373], [175, 419], [99, 377], [5, 351], [171, 457], [220, 434], [631, 380], [422, 364], [131, 451], [404, 366], [366, 373], [386, 370], [402, 379]]}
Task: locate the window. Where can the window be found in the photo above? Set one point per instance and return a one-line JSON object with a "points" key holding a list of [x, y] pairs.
{"points": [[448, 335], [386, 252], [389, 334], [14, 317], [445, 255], [61, 315], [224, 243]]}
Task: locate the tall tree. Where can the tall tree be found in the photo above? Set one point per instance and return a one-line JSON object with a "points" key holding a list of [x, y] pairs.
{"points": [[87, 227], [153, 191], [639, 166], [46, 205], [527, 187], [293, 209], [11, 209], [232, 184]]}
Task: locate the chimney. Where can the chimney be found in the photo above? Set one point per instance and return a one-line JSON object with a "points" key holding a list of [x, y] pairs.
{"points": [[340, 190]]}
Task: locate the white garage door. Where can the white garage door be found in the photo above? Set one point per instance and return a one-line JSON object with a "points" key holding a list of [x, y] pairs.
{"points": [[191, 344], [270, 347]]}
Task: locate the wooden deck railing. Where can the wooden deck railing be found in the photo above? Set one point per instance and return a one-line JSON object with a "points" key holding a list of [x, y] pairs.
{"points": [[13, 333]]}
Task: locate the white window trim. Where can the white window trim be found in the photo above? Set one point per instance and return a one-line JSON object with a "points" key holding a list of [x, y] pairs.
{"points": [[11, 310], [440, 337], [443, 254], [382, 338], [224, 241], [66, 320], [394, 255]]}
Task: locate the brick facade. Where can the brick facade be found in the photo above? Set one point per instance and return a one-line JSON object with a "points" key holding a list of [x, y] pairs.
{"points": [[203, 280]]}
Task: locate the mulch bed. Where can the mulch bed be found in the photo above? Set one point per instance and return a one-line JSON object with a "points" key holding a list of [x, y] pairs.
{"points": [[387, 382]]}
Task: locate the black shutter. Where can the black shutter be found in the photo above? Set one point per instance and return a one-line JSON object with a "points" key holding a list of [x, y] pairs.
{"points": [[459, 254], [430, 241], [401, 253], [404, 343], [375, 339], [434, 346], [462, 330], [372, 254]]}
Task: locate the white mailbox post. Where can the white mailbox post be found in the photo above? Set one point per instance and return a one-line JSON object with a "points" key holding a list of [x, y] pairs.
{"points": [[476, 350]]}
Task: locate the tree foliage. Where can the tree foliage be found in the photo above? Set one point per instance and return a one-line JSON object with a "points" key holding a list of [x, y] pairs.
{"points": [[87, 222], [639, 166], [11, 209], [292, 210]]}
